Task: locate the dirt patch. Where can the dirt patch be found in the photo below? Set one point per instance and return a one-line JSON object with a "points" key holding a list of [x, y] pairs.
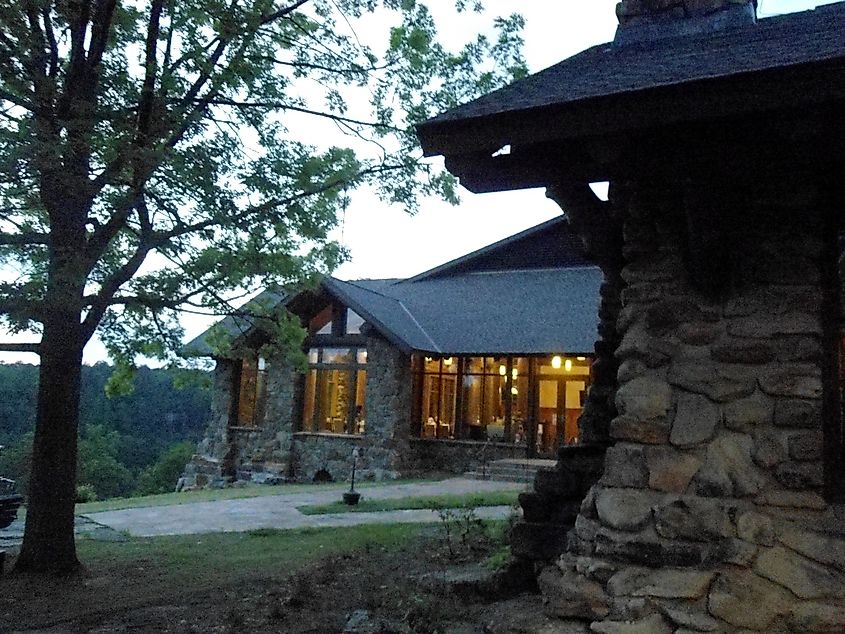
{"points": [[415, 588]]}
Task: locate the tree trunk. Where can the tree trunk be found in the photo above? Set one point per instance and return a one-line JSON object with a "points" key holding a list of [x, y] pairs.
{"points": [[48, 544], [48, 541]]}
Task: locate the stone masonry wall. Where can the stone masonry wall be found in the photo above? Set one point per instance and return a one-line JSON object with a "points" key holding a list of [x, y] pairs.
{"points": [[226, 452], [384, 446], [709, 515]]}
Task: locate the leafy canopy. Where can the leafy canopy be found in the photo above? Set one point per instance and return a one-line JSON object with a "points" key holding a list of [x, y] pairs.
{"points": [[208, 145]]}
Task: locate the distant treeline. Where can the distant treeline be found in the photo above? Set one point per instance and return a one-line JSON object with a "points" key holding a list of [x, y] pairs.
{"points": [[128, 444]]}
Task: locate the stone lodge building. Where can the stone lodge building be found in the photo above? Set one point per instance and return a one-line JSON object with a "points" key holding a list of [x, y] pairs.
{"points": [[706, 495], [485, 357]]}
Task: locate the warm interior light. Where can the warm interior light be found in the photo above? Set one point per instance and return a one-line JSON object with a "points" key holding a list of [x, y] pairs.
{"points": [[514, 373], [556, 362], [581, 358], [567, 365], [503, 370], [514, 391], [447, 361]]}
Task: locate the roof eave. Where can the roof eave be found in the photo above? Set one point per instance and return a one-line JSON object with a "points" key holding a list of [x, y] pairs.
{"points": [[570, 130]]}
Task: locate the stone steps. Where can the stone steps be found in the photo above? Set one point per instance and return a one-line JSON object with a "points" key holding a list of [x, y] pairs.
{"points": [[510, 470], [551, 507]]}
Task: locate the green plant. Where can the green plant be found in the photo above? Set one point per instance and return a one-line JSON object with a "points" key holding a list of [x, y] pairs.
{"points": [[85, 493], [464, 533]]}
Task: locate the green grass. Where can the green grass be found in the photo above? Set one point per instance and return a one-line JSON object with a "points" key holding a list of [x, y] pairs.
{"points": [[208, 558], [211, 495], [489, 498]]}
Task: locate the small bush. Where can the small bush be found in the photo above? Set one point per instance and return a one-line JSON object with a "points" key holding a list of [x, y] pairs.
{"points": [[85, 493]]}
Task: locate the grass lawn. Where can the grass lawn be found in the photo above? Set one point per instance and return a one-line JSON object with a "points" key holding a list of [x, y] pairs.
{"points": [[293, 581], [211, 495], [488, 498]]}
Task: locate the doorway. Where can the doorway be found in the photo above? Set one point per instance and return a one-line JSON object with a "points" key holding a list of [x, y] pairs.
{"points": [[559, 399]]}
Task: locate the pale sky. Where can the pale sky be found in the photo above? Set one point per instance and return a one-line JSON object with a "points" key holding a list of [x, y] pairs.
{"points": [[386, 242]]}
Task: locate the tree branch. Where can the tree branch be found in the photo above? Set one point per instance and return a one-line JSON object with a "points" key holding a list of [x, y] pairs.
{"points": [[275, 105], [21, 239], [20, 347]]}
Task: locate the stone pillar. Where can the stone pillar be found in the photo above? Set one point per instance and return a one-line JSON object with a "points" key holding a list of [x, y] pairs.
{"points": [[210, 461], [709, 515], [388, 408]]}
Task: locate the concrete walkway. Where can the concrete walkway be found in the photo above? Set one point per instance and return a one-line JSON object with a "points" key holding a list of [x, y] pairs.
{"points": [[279, 511]]}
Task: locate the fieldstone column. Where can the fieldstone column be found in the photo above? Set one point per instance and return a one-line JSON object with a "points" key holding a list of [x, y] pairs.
{"points": [[388, 408], [709, 515]]}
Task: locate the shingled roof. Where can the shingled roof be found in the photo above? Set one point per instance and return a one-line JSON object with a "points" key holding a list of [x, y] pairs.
{"points": [[532, 293], [616, 72]]}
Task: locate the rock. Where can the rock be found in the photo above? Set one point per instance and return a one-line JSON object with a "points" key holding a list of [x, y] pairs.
{"points": [[818, 617], [645, 549], [743, 351], [791, 499], [644, 398], [695, 420], [767, 325], [666, 583], [698, 333], [706, 378], [360, 622], [756, 528], [688, 617], [570, 595], [629, 370], [769, 449], [800, 475], [625, 467], [744, 600], [798, 414], [745, 414], [624, 509], [653, 624], [735, 551], [596, 570], [792, 381], [826, 549], [694, 519], [728, 469], [799, 349], [670, 470], [807, 445], [805, 578], [649, 432]]}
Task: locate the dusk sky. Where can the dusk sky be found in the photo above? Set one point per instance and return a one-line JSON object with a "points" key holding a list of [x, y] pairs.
{"points": [[386, 242]]}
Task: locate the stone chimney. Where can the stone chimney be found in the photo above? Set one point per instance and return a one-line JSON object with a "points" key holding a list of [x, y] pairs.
{"points": [[649, 20]]}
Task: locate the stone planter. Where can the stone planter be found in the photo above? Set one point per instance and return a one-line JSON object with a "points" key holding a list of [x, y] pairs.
{"points": [[351, 497]]}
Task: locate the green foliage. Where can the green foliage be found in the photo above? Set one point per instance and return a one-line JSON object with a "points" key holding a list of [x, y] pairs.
{"points": [[174, 152], [161, 477], [98, 465], [121, 438], [85, 493]]}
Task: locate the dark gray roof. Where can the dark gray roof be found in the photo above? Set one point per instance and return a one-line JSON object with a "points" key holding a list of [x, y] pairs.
{"points": [[514, 312], [551, 244], [235, 326], [530, 304], [601, 71]]}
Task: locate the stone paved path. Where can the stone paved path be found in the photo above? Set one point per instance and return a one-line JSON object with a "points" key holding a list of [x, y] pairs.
{"points": [[272, 511], [279, 511]]}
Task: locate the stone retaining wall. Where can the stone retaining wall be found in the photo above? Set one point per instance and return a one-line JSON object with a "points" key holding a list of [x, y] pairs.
{"points": [[457, 456], [710, 513]]}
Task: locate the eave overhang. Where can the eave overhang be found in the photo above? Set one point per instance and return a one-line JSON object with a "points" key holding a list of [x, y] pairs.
{"points": [[582, 141]]}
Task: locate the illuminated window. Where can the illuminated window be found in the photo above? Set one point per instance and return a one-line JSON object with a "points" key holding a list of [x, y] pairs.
{"points": [[335, 391], [251, 392]]}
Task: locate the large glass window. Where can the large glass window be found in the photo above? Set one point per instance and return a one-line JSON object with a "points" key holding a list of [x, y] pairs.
{"points": [[438, 397], [251, 392], [534, 402], [335, 389]]}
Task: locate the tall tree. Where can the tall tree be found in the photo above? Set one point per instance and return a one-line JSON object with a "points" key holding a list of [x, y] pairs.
{"points": [[155, 155]]}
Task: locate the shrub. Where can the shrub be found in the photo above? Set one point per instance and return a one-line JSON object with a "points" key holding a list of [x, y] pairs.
{"points": [[161, 476]]}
